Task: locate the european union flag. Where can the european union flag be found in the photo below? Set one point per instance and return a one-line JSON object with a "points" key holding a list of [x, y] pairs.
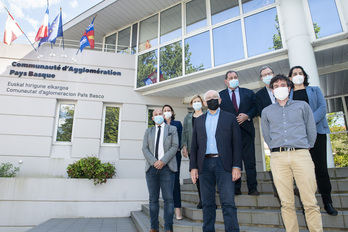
{"points": [[55, 30]]}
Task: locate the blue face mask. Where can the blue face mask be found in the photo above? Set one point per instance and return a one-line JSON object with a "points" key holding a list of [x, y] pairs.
{"points": [[234, 83], [267, 79], [159, 119]]}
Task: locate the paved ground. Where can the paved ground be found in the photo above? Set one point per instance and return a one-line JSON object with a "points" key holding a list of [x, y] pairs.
{"points": [[86, 225]]}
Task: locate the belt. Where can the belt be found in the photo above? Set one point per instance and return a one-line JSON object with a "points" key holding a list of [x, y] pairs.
{"points": [[280, 149], [212, 155]]}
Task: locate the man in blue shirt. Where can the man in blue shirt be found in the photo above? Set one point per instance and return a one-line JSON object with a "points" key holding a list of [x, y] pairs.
{"points": [[216, 157]]}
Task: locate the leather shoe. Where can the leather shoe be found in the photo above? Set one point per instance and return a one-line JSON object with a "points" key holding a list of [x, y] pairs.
{"points": [[199, 206], [296, 192], [254, 192], [152, 230], [237, 192], [330, 209]]}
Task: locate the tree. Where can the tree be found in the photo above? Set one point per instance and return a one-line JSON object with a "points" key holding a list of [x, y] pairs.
{"points": [[277, 38], [316, 30], [111, 124]]}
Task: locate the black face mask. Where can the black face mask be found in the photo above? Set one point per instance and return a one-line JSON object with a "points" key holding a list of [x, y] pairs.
{"points": [[213, 104]]}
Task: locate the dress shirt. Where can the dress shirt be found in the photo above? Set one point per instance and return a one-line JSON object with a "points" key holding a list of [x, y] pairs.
{"points": [[271, 96], [236, 92], [160, 145], [291, 125], [210, 128]]}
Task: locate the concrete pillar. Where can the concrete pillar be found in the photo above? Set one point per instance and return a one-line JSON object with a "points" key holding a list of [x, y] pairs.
{"points": [[300, 50]]}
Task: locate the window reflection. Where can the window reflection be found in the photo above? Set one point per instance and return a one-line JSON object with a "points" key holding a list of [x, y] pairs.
{"points": [[111, 122], [325, 17], [110, 43], [196, 16], [197, 53], [228, 43], [222, 10], [171, 24], [249, 5], [65, 122], [148, 33], [123, 41], [171, 61], [147, 69], [262, 32], [134, 38]]}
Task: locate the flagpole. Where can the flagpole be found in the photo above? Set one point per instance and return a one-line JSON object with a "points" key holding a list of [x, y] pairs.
{"points": [[19, 27], [62, 28]]}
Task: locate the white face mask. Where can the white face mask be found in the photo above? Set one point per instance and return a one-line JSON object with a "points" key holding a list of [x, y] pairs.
{"points": [[281, 93], [298, 80], [197, 105], [167, 115], [267, 79], [234, 83]]}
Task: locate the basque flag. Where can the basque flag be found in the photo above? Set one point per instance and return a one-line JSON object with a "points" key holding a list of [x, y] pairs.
{"points": [[88, 37], [43, 30]]}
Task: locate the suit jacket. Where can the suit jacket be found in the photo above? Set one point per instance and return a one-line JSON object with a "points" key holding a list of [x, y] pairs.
{"points": [[228, 141], [247, 106], [318, 105], [170, 147], [262, 100]]}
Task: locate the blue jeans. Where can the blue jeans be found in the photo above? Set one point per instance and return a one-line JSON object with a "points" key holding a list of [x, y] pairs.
{"points": [[213, 172], [161, 179]]}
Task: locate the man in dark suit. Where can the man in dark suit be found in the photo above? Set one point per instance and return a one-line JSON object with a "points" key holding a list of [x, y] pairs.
{"points": [[264, 97], [159, 148], [241, 102], [216, 158]]}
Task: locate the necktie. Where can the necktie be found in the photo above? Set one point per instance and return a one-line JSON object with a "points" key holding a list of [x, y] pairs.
{"points": [[234, 101], [157, 141]]}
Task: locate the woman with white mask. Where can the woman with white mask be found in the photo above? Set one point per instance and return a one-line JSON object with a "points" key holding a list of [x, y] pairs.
{"points": [[169, 118], [189, 121], [315, 98]]}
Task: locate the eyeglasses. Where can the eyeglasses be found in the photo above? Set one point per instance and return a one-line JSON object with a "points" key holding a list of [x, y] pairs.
{"points": [[267, 74]]}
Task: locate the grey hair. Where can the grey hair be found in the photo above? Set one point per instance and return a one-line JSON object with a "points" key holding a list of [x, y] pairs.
{"points": [[264, 67], [216, 93]]}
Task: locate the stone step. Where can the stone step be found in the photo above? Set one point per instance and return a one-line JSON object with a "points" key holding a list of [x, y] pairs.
{"points": [[249, 220], [334, 173], [268, 201], [338, 186]]}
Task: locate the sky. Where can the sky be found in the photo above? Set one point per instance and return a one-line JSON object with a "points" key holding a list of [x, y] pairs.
{"points": [[30, 13]]}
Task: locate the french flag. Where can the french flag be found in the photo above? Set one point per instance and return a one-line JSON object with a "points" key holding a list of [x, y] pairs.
{"points": [[43, 30]]}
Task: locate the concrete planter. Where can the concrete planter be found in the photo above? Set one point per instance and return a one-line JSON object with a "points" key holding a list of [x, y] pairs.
{"points": [[26, 202]]}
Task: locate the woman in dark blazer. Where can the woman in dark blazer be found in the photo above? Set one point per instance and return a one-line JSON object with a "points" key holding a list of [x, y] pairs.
{"points": [[169, 117], [315, 98], [186, 137]]}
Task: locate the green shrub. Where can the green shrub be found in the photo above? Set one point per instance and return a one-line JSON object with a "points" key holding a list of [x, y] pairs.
{"points": [[341, 160], [91, 168], [7, 170]]}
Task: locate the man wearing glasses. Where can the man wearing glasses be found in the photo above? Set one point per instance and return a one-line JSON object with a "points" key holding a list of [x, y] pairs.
{"points": [[264, 97]]}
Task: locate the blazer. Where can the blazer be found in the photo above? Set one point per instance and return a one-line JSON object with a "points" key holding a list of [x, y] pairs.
{"points": [[318, 105], [186, 136], [178, 126], [262, 100], [247, 105], [228, 141], [170, 147]]}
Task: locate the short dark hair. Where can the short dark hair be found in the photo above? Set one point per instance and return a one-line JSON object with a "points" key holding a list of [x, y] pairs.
{"points": [[280, 77], [171, 108], [231, 71], [264, 67], [305, 82]]}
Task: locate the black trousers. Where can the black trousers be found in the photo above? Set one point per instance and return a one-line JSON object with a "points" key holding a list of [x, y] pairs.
{"points": [[318, 153]]}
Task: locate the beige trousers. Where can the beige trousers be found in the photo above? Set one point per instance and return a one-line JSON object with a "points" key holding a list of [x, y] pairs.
{"points": [[286, 166]]}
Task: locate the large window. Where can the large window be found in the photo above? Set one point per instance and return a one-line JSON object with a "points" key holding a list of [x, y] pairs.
{"points": [[325, 17], [222, 10], [147, 69], [123, 41], [111, 124], [110, 43], [250, 5], [171, 24], [196, 16], [171, 61], [148, 33], [65, 122]]}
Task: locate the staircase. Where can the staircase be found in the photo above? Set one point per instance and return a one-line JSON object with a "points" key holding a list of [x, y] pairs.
{"points": [[255, 213]]}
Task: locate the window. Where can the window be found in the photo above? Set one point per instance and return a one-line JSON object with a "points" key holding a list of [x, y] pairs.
{"points": [[110, 43], [325, 17], [222, 10], [171, 61], [123, 41], [65, 122], [134, 38], [228, 43], [262, 32], [111, 124], [250, 5], [147, 69], [197, 53], [171, 24], [196, 16], [148, 33]]}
